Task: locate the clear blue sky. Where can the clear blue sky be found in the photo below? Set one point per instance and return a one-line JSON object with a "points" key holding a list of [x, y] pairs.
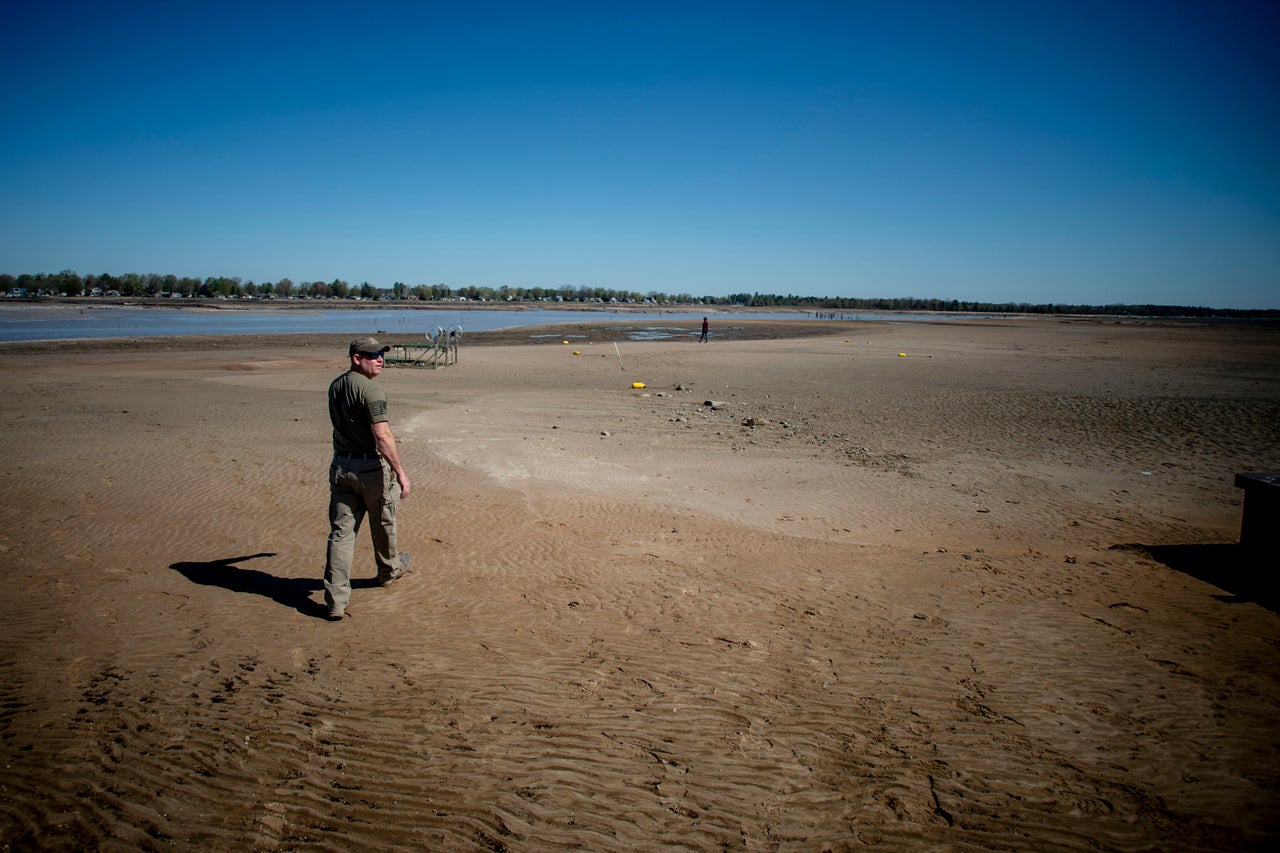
{"points": [[1036, 152]]}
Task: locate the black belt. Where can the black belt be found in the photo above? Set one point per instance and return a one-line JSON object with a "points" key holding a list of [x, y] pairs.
{"points": [[355, 456]]}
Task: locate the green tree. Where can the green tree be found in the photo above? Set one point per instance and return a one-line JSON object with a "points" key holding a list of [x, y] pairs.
{"points": [[70, 283], [130, 284]]}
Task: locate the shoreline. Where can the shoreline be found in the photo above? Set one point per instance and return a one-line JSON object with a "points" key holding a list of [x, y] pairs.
{"points": [[596, 329], [537, 335]]}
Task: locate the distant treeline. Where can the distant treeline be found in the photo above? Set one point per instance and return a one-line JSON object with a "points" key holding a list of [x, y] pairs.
{"points": [[70, 283], [823, 303]]}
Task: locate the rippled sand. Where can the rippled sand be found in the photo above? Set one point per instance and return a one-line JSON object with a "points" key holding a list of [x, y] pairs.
{"points": [[956, 586]]}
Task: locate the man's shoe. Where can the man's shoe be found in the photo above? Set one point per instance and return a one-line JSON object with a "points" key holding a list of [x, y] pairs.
{"points": [[398, 572]]}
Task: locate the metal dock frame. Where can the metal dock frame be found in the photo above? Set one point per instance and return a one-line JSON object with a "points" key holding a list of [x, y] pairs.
{"points": [[440, 351]]}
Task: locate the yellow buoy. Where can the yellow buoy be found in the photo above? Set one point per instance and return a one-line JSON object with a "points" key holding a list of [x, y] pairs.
{"points": [[637, 384], [902, 355], [847, 341], [564, 342], [575, 352]]}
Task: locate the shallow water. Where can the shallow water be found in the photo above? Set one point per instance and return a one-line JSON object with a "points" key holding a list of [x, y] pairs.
{"points": [[63, 322]]}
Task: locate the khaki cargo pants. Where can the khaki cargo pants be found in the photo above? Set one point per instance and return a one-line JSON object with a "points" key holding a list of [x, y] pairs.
{"points": [[359, 486]]}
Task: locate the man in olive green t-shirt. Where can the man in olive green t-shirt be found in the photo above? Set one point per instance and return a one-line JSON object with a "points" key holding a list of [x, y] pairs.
{"points": [[365, 478]]}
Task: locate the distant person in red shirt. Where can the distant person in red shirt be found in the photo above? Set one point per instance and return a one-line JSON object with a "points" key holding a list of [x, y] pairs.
{"points": [[706, 329]]}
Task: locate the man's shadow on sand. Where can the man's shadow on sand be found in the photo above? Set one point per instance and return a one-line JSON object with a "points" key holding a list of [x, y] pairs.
{"points": [[291, 592], [1246, 575]]}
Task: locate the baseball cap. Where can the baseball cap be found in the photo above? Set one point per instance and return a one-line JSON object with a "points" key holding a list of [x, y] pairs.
{"points": [[366, 344]]}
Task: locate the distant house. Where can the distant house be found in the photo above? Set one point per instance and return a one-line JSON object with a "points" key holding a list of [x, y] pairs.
{"points": [[17, 292]]}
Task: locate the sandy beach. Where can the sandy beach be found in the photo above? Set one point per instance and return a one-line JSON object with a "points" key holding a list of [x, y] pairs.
{"points": [[949, 586]]}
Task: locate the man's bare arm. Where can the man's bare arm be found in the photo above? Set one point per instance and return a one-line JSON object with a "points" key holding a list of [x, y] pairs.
{"points": [[386, 443]]}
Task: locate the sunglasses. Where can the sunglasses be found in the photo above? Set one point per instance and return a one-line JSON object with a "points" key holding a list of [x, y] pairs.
{"points": [[371, 355]]}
